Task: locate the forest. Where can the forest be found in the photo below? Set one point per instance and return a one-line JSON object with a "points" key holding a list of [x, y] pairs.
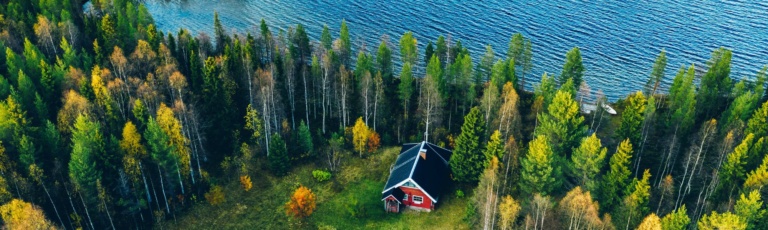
{"points": [[107, 122]]}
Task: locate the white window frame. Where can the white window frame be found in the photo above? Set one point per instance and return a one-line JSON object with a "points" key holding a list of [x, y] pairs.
{"points": [[406, 197], [419, 201]]}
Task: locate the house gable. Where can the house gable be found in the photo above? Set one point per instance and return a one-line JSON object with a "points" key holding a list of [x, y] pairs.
{"points": [[422, 166]]}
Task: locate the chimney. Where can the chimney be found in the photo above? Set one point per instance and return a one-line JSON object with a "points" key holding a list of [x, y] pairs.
{"points": [[423, 154]]}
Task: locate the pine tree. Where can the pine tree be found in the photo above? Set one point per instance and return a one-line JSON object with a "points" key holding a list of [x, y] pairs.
{"points": [[588, 159], [632, 118], [656, 74], [467, 160], [676, 220], [573, 67], [408, 49], [539, 172], [714, 83], [617, 179]]}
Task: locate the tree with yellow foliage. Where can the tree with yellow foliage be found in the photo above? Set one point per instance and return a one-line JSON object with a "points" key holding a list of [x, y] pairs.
{"points": [[651, 222], [215, 196], [509, 208], [171, 126], [360, 134], [245, 182], [302, 203], [18, 214], [726, 220]]}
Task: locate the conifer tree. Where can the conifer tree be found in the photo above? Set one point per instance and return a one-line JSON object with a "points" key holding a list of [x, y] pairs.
{"points": [[656, 74], [279, 163], [617, 179], [733, 172], [539, 172], [562, 123], [632, 118], [676, 220], [573, 67], [714, 83], [87, 144], [758, 177], [494, 148], [725, 220], [750, 209], [467, 159], [588, 159], [636, 202], [758, 123]]}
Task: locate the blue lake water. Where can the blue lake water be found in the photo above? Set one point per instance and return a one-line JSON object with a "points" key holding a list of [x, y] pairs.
{"points": [[619, 40]]}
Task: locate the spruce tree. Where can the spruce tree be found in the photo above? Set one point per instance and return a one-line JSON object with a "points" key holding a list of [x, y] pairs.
{"points": [[279, 163], [539, 172], [467, 159], [494, 148], [632, 118], [676, 220], [588, 159], [617, 179], [562, 123]]}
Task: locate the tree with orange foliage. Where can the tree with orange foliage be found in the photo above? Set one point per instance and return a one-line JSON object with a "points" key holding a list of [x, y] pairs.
{"points": [[374, 142], [245, 182], [302, 203]]}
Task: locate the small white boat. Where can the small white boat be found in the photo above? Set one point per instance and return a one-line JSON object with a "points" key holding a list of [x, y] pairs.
{"points": [[588, 108]]}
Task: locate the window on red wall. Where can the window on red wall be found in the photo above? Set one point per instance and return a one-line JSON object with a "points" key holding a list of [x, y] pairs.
{"points": [[405, 198], [418, 199]]}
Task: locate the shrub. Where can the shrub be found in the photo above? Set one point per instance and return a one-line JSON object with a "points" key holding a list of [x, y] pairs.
{"points": [[459, 194], [245, 182], [302, 203], [321, 175], [215, 196]]}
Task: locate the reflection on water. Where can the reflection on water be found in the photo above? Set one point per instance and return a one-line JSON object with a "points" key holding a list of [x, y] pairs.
{"points": [[619, 40]]}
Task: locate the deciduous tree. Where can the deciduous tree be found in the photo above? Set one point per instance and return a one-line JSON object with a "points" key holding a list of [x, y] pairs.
{"points": [[302, 204], [18, 214]]}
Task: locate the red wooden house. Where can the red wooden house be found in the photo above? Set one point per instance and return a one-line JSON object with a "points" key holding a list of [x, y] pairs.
{"points": [[418, 178]]}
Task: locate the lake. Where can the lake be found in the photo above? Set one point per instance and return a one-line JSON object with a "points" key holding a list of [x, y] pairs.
{"points": [[618, 40]]}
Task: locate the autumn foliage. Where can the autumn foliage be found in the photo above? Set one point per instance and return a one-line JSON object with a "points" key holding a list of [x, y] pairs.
{"points": [[374, 142], [18, 214], [245, 182], [302, 203], [215, 196]]}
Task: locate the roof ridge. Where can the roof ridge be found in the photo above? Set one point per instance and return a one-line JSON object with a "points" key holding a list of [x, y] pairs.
{"points": [[410, 176], [438, 154]]}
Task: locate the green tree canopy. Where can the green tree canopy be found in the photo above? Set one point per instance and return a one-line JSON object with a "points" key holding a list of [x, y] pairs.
{"points": [[467, 160]]}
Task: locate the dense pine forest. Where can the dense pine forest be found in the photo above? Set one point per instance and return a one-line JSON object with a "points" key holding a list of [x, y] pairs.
{"points": [[107, 122]]}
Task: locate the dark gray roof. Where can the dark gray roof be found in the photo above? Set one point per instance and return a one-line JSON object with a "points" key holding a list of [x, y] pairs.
{"points": [[431, 174], [397, 193]]}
